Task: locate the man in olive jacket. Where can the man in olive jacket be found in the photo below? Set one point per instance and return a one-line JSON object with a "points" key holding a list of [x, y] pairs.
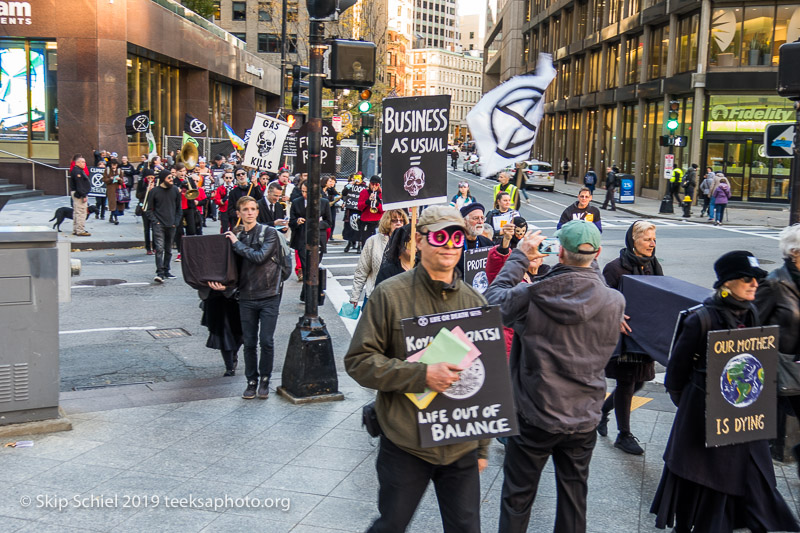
{"points": [[376, 359]]}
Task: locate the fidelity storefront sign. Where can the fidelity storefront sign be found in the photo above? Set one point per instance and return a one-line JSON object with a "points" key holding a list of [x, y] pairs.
{"points": [[746, 117], [15, 13]]}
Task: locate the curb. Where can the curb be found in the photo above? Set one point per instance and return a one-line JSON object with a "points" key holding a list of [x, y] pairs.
{"points": [[82, 246]]}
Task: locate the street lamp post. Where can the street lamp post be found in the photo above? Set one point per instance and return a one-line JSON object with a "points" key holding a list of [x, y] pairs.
{"points": [[309, 371]]}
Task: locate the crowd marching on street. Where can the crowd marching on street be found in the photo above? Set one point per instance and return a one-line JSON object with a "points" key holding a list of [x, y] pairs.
{"points": [[564, 328]]}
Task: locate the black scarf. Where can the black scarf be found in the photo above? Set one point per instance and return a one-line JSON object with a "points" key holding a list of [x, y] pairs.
{"points": [[735, 313], [636, 264]]}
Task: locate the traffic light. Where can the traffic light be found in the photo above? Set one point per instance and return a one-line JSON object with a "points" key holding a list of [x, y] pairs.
{"points": [[364, 105], [327, 9], [299, 86], [367, 123], [672, 117], [296, 120], [349, 65]]}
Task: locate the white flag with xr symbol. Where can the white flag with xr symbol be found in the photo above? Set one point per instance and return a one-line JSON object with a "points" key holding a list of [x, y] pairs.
{"points": [[505, 122]]}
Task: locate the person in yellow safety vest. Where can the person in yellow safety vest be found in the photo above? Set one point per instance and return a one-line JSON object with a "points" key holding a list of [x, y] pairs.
{"points": [[504, 186], [675, 185]]}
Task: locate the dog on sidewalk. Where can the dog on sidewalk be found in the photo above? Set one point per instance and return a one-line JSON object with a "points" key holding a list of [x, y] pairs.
{"points": [[66, 212]]}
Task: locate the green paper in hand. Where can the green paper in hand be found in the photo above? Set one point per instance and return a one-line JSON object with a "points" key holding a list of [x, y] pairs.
{"points": [[445, 348]]}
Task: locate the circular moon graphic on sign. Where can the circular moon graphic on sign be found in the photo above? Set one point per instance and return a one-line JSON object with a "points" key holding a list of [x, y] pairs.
{"points": [[470, 383]]}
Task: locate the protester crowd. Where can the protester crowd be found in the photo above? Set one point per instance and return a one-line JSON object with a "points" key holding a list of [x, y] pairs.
{"points": [[565, 331]]}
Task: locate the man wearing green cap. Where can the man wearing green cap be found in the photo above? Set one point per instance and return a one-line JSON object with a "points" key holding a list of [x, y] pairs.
{"points": [[567, 324]]}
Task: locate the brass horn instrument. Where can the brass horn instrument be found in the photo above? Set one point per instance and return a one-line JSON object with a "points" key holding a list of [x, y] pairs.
{"points": [[189, 156]]}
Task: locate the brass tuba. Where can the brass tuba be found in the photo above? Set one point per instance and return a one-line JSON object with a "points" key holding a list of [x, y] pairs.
{"points": [[189, 156]]}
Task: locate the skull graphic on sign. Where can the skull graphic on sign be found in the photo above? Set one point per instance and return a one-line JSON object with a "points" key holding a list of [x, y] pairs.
{"points": [[265, 142], [413, 180]]}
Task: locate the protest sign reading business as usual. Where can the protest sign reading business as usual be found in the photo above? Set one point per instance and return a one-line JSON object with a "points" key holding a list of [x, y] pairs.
{"points": [[741, 385], [327, 154], [474, 268], [96, 178], [414, 153], [480, 404], [264, 150]]}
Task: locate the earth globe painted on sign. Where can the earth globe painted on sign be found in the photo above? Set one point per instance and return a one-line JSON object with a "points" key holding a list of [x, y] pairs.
{"points": [[480, 282], [742, 380]]}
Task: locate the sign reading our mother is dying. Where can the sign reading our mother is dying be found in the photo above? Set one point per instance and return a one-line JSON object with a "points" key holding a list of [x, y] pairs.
{"points": [[265, 146], [414, 153], [741, 384], [474, 268], [480, 405]]}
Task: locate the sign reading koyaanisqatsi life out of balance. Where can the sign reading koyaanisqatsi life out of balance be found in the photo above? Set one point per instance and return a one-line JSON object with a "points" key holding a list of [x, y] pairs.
{"points": [[265, 146], [414, 153], [474, 268], [327, 154], [741, 385], [96, 179], [480, 404]]}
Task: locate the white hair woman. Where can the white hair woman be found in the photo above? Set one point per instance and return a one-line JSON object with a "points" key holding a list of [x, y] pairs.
{"points": [[778, 303]]}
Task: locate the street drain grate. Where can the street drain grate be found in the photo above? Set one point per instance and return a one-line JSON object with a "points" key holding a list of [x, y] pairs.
{"points": [[100, 282], [169, 333]]}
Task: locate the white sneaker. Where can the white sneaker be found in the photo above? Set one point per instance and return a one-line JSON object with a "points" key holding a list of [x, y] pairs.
{"points": [[158, 279]]}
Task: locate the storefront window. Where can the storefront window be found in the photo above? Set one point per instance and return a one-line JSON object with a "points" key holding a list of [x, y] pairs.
{"points": [[153, 87], [633, 60], [221, 104], [659, 45], [567, 27], [787, 28], [687, 44], [609, 139], [757, 36], [630, 119], [726, 37], [574, 138], [591, 138], [18, 119], [612, 65], [652, 130]]}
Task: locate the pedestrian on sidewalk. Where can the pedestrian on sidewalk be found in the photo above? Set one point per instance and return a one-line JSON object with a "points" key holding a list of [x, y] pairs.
{"points": [[297, 222], [376, 359], [259, 288], [567, 319], [705, 192], [164, 210], [675, 185], [721, 196], [630, 366], [143, 190], [719, 488], [114, 179], [221, 317], [590, 180], [79, 186], [581, 210], [369, 263], [713, 203], [566, 167], [612, 182]]}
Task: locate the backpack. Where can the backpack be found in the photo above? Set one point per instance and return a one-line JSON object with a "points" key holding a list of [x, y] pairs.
{"points": [[283, 258], [588, 179], [705, 322]]}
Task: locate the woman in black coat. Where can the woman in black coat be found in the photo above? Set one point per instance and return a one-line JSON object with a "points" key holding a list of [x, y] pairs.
{"points": [[297, 223], [221, 317], [397, 256], [630, 366], [778, 303], [728, 487]]}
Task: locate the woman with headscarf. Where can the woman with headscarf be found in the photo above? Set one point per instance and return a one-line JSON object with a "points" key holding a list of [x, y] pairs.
{"points": [[114, 179], [716, 489], [630, 365], [397, 256]]}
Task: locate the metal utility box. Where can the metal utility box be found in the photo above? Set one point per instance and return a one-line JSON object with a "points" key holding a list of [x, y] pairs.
{"points": [[29, 376]]}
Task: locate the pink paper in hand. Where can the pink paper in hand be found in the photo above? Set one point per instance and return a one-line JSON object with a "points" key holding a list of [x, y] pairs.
{"points": [[473, 353]]}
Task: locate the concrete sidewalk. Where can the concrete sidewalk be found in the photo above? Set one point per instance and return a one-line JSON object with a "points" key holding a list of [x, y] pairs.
{"points": [[192, 456], [737, 214]]}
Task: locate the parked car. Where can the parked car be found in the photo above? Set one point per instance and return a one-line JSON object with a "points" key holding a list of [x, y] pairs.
{"points": [[476, 168], [469, 162], [468, 146], [538, 175]]}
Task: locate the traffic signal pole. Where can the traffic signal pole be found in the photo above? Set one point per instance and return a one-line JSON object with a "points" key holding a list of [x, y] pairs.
{"points": [[309, 371], [794, 208]]}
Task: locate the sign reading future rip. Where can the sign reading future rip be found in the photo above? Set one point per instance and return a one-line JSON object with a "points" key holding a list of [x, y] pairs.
{"points": [[480, 404], [96, 178], [265, 146], [327, 153], [741, 384], [415, 151]]}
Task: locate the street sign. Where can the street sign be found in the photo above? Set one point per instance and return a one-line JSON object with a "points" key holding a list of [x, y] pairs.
{"points": [[779, 140], [336, 122], [347, 118], [327, 103], [673, 140], [669, 164]]}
